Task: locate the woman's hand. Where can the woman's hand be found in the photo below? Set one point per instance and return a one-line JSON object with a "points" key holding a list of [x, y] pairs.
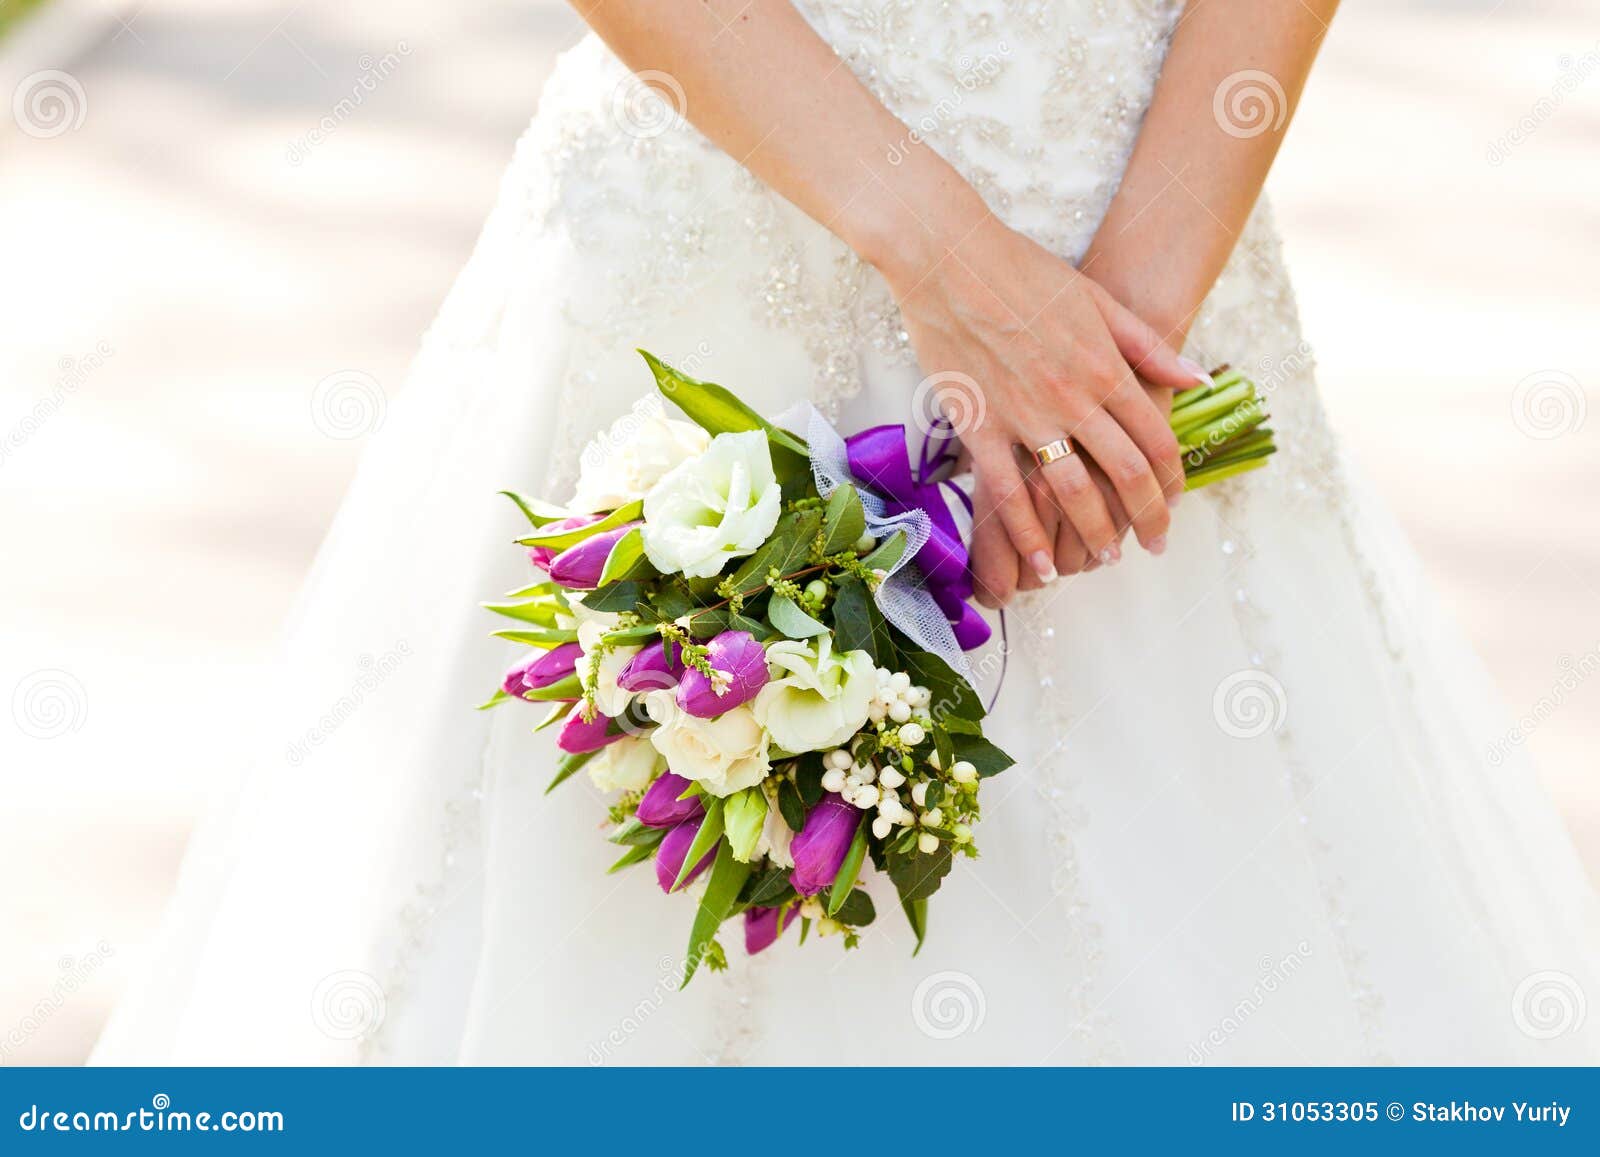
{"points": [[1053, 356]]}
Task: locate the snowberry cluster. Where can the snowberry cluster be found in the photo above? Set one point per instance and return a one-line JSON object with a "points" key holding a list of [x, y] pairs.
{"points": [[895, 702]]}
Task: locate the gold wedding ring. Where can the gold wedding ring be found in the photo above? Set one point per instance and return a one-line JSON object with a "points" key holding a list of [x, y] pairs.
{"points": [[1053, 451]]}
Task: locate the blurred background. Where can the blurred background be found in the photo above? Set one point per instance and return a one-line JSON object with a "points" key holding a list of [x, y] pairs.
{"points": [[209, 210]]}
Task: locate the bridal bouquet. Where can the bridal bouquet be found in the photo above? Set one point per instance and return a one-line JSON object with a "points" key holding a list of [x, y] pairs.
{"points": [[755, 634]]}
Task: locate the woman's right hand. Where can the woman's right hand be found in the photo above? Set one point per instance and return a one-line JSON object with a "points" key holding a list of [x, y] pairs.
{"points": [[1050, 354]]}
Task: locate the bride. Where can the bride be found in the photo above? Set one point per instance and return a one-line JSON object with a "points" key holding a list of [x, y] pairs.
{"points": [[1253, 820]]}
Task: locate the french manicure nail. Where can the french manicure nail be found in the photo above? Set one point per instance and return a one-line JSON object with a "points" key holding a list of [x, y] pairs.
{"points": [[1197, 371], [1158, 544], [1111, 556], [1173, 500], [1043, 566]]}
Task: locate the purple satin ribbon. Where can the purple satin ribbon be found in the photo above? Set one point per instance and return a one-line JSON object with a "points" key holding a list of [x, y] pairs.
{"points": [[879, 459]]}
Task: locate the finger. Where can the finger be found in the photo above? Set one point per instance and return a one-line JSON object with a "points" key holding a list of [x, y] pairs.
{"points": [[1144, 421], [1125, 465], [1080, 501], [1014, 505], [1072, 557], [994, 560], [1151, 357], [1044, 504], [1119, 513]]}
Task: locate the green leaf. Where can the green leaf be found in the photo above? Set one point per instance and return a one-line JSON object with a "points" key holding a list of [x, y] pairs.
{"points": [[539, 590], [791, 806], [917, 876], [722, 890], [844, 521], [710, 832], [808, 780], [633, 855], [857, 910], [888, 552], [495, 700], [849, 869], [917, 914], [618, 596], [626, 560], [542, 612], [717, 410], [566, 767], [858, 625], [557, 712], [743, 815], [787, 548], [983, 755], [951, 694], [537, 512], [637, 633], [544, 639], [943, 747], [789, 619], [569, 688], [561, 539], [632, 832], [771, 889]]}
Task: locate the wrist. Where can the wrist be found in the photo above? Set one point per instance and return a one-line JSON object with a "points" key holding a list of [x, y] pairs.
{"points": [[913, 219]]}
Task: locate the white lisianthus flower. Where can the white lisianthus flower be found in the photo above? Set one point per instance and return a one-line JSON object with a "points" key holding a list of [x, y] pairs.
{"points": [[776, 835], [714, 507], [621, 465], [602, 678], [723, 755], [627, 764], [820, 699]]}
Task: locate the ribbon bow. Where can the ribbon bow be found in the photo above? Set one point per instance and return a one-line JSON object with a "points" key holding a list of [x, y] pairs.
{"points": [[879, 458]]}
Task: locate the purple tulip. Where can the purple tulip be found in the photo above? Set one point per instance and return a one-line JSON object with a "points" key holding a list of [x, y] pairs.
{"points": [[578, 735], [579, 567], [674, 848], [540, 556], [743, 659], [661, 807], [651, 670], [762, 929], [541, 669], [821, 844]]}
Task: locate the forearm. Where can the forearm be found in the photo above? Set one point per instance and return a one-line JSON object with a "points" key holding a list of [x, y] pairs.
{"points": [[1204, 151], [762, 85]]}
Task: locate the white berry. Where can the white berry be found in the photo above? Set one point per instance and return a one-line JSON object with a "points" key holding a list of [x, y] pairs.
{"points": [[900, 681], [927, 843], [882, 826], [840, 758], [811, 908], [866, 797], [900, 711], [891, 777], [932, 818], [963, 772], [919, 794], [912, 734], [864, 772], [919, 697], [833, 780]]}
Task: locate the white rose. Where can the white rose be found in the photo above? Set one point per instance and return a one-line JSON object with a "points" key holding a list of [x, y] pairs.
{"points": [[723, 755], [821, 699], [621, 465], [714, 507], [628, 764], [610, 698]]}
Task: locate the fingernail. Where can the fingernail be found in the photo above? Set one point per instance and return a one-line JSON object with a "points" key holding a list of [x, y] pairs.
{"points": [[1173, 500], [1158, 544], [1111, 556], [1197, 371], [1043, 566]]}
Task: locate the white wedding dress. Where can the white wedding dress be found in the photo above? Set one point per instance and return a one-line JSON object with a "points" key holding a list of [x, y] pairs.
{"points": [[1254, 818]]}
